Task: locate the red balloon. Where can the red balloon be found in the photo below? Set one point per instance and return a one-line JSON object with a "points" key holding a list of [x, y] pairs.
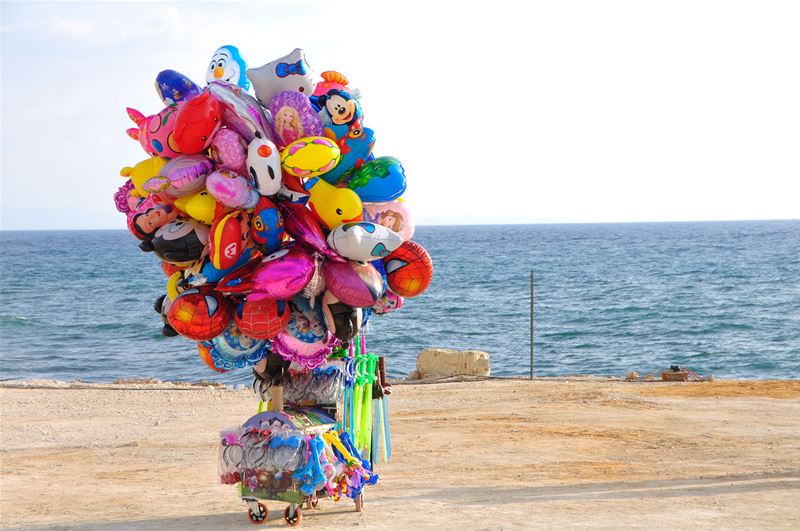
{"points": [[169, 269], [196, 123], [200, 314], [409, 269], [262, 319]]}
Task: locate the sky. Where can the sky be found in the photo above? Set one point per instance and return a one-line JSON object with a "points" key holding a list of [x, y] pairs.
{"points": [[501, 112]]}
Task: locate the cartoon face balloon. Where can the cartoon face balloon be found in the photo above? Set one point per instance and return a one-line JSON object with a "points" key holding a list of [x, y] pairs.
{"points": [[155, 133], [228, 66], [394, 215], [262, 319], [293, 117], [290, 72], [233, 349], [333, 206], [364, 241], [197, 122], [179, 242], [228, 239], [200, 314], [264, 166], [266, 226], [409, 270], [305, 340], [340, 107], [149, 216]]}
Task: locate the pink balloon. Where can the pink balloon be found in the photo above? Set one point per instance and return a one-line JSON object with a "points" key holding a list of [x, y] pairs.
{"points": [[229, 151], [302, 225], [394, 215], [356, 284], [279, 276]]}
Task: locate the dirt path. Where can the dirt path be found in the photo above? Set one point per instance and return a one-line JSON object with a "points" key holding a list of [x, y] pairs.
{"points": [[486, 454]]}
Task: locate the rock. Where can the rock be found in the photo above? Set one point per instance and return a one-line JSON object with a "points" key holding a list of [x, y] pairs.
{"points": [[445, 362], [413, 375]]}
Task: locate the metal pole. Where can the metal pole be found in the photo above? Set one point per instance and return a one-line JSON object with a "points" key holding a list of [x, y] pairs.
{"points": [[531, 324]]}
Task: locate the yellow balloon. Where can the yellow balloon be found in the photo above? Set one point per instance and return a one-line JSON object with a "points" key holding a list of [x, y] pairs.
{"points": [[200, 206], [172, 285], [310, 156], [142, 171], [332, 205]]}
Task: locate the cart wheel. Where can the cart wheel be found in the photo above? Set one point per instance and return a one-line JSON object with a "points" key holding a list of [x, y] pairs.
{"points": [[293, 520], [260, 517], [360, 503]]}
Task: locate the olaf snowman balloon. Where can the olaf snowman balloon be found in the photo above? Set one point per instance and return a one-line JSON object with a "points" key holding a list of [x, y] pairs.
{"points": [[228, 66]]}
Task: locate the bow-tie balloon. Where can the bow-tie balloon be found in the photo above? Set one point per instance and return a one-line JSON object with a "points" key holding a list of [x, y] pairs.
{"points": [[291, 69]]}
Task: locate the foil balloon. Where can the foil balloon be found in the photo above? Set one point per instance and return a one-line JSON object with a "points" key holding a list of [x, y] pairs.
{"points": [[234, 350], [388, 302], [227, 66], [231, 189], [301, 225], [204, 272], [379, 180], [364, 241], [183, 175], [343, 321], [228, 239], [200, 206], [125, 198], [315, 286], [266, 226], [290, 72], [241, 111], [180, 242], [229, 151], [409, 270], [200, 314], [292, 190], [310, 156], [173, 87], [155, 132], [264, 166], [142, 171], [394, 215], [205, 355], [356, 284], [293, 117], [197, 122], [278, 276], [331, 205], [149, 216], [305, 340], [262, 319], [355, 144], [330, 80]]}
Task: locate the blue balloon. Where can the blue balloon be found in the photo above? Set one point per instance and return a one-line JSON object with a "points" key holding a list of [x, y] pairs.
{"points": [[379, 180], [174, 87]]}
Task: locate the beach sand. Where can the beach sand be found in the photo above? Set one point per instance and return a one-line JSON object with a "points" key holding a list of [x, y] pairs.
{"points": [[478, 454]]}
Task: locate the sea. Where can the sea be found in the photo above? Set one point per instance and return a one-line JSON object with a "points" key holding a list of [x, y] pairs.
{"points": [[720, 298]]}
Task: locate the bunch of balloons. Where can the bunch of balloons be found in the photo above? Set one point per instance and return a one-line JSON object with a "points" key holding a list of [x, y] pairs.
{"points": [[279, 229]]}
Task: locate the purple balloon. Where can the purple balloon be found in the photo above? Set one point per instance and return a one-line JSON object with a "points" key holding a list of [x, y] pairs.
{"points": [[301, 225], [356, 284], [293, 117], [279, 276]]}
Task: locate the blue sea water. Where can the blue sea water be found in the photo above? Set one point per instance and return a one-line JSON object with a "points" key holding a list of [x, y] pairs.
{"points": [[718, 297]]}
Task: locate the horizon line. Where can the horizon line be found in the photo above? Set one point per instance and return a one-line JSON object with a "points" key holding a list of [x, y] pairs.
{"points": [[474, 224]]}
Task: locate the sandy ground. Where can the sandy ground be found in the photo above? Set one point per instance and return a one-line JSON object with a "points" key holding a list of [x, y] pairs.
{"points": [[493, 454]]}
